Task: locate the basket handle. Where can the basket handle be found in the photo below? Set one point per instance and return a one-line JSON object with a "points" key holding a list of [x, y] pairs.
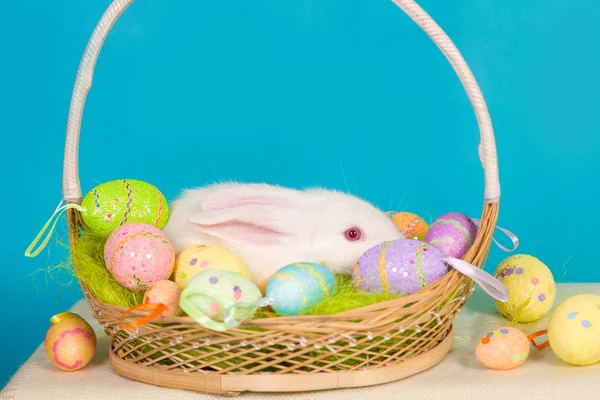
{"points": [[83, 82]]}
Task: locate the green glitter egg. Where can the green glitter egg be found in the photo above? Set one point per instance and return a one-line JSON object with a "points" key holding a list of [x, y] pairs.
{"points": [[119, 202]]}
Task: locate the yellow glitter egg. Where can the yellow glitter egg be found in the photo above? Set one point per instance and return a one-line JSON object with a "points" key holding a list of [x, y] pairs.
{"points": [[410, 225], [531, 288], [574, 330], [199, 258], [503, 348], [70, 342]]}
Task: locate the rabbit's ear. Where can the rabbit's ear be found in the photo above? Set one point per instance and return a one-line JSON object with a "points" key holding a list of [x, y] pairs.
{"points": [[248, 217], [257, 194]]}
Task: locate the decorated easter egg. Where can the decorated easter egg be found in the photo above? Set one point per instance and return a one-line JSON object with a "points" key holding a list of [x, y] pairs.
{"points": [[531, 288], [574, 330], [164, 292], [70, 342], [398, 267], [199, 258], [138, 255], [452, 233], [503, 348], [116, 203], [297, 287], [410, 225], [216, 295]]}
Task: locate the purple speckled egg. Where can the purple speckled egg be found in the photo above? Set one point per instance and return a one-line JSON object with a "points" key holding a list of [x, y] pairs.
{"points": [[398, 267], [452, 233]]}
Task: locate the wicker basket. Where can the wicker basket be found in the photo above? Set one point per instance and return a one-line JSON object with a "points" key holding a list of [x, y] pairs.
{"points": [[367, 346]]}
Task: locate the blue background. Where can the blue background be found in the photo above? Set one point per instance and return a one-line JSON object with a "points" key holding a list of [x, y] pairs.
{"points": [[345, 94]]}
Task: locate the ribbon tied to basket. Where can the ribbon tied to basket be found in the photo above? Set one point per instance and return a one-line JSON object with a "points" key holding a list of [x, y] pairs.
{"points": [[513, 238]]}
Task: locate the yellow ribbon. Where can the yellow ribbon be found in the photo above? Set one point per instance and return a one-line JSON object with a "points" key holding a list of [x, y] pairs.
{"points": [[59, 210]]}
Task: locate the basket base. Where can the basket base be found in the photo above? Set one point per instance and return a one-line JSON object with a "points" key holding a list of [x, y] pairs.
{"points": [[236, 384]]}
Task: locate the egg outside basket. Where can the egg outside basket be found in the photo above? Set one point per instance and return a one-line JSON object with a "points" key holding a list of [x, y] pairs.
{"points": [[367, 346]]}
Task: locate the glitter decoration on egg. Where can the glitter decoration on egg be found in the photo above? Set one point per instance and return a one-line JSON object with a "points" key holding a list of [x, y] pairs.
{"points": [[410, 225], [502, 349], [138, 255], [531, 288], [398, 267], [196, 259], [221, 299], [167, 293], [119, 202], [70, 342], [574, 330], [297, 287], [453, 233]]}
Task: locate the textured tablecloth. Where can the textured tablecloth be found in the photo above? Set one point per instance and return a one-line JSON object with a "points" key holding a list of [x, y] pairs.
{"points": [[458, 376]]}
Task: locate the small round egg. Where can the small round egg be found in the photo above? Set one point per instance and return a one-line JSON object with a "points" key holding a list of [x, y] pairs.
{"points": [[138, 255], [199, 258], [167, 293], [503, 348], [410, 225], [399, 267], [297, 287], [70, 342], [115, 203], [453, 233], [528, 280], [574, 330]]}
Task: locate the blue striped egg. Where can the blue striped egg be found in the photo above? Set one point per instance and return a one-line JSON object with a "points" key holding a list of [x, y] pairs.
{"points": [[297, 287]]}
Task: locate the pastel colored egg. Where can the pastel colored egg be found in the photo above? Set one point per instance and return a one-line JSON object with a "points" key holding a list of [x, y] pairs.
{"points": [[574, 330], [164, 292], [410, 225], [116, 203], [211, 293], [138, 255], [70, 342], [199, 258], [531, 288], [453, 233], [399, 267], [297, 287], [503, 348]]}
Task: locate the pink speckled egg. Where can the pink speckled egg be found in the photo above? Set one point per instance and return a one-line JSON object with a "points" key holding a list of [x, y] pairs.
{"points": [[503, 348], [452, 233], [138, 255], [164, 292]]}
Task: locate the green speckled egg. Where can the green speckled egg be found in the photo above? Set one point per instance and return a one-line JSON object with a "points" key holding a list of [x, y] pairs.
{"points": [[119, 202], [297, 287]]}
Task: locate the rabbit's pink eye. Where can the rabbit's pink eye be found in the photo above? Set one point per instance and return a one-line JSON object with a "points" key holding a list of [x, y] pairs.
{"points": [[353, 234]]}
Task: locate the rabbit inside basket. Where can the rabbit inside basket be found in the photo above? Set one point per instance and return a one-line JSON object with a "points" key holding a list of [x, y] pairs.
{"points": [[228, 252]]}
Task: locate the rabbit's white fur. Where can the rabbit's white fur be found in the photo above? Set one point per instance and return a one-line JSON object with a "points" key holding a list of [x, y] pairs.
{"points": [[270, 226]]}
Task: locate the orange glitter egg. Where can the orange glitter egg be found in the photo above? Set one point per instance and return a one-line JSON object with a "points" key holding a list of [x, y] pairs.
{"points": [[503, 348], [70, 342], [164, 292], [411, 225]]}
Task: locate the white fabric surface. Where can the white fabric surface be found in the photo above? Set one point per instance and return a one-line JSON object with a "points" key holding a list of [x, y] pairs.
{"points": [[458, 376]]}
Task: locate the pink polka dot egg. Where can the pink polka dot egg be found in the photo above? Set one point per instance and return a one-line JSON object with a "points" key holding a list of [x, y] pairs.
{"points": [[138, 255], [502, 349]]}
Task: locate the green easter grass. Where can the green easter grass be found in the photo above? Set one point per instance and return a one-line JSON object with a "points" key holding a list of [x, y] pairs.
{"points": [[92, 272]]}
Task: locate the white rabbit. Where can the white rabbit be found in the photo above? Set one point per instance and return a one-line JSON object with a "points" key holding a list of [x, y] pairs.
{"points": [[269, 226]]}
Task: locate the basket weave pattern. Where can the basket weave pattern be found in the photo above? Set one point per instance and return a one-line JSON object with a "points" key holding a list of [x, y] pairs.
{"points": [[370, 345]]}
